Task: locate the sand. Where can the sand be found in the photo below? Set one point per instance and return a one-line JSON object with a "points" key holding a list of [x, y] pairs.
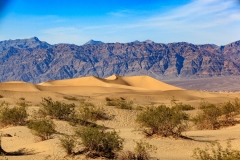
{"points": [[142, 90]]}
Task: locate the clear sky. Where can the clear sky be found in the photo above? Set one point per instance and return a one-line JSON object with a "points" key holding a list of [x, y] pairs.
{"points": [[163, 21]]}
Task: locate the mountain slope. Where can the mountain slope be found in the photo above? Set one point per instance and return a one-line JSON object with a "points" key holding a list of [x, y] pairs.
{"points": [[32, 60]]}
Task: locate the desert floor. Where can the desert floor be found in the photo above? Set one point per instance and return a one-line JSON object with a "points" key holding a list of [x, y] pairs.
{"points": [[142, 90]]}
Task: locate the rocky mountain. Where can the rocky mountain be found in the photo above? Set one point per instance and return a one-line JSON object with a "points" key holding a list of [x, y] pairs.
{"points": [[94, 42], [32, 60]]}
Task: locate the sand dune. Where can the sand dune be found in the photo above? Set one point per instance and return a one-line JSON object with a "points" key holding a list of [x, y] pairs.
{"points": [[142, 90], [18, 86], [114, 81]]}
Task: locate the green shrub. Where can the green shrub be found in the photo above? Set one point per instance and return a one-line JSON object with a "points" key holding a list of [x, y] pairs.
{"points": [[162, 121], [12, 116], [56, 109], [43, 128], [70, 98], [87, 113], [138, 107], [22, 104], [121, 104], [99, 143], [68, 143], [141, 152], [184, 107], [229, 110], [213, 117], [215, 151], [207, 118]]}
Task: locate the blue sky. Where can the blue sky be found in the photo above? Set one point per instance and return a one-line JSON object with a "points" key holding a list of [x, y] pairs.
{"points": [[163, 21]]}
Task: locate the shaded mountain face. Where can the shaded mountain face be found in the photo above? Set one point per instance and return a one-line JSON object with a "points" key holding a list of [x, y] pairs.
{"points": [[93, 42], [32, 60]]}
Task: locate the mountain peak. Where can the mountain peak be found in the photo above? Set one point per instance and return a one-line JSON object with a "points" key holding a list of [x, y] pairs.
{"points": [[94, 42], [34, 39], [148, 41]]}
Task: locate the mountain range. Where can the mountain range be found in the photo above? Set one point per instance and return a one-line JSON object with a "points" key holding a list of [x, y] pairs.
{"points": [[35, 61]]}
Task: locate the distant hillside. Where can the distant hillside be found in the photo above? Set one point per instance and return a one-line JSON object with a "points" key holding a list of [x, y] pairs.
{"points": [[32, 60], [93, 42]]}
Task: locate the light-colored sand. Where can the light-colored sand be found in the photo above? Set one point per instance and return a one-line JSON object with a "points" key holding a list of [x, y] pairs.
{"points": [[142, 90]]}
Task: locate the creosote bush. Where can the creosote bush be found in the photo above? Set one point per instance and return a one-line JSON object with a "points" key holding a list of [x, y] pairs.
{"points": [[70, 98], [68, 143], [12, 116], [212, 116], [229, 110], [119, 103], [87, 113], [43, 128], [184, 107], [56, 109], [99, 143], [141, 152], [163, 121], [207, 118], [22, 98], [215, 151]]}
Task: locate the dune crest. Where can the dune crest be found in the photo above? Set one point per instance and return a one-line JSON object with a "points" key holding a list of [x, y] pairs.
{"points": [[92, 84], [18, 86]]}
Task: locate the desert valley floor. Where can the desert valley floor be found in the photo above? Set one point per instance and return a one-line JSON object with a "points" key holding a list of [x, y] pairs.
{"points": [[142, 90]]}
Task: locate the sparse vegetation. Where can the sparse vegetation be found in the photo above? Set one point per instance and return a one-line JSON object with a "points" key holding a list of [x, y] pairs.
{"points": [[163, 121], [87, 113], [12, 116], [68, 143], [119, 103], [215, 151], [22, 98], [99, 143], [70, 98], [56, 109], [207, 118], [213, 117], [1, 96], [22, 104], [43, 128], [183, 107], [141, 152], [230, 110]]}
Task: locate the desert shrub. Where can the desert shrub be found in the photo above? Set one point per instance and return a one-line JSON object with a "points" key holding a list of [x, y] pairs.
{"points": [[206, 105], [22, 104], [108, 99], [229, 110], [215, 151], [207, 118], [68, 143], [1, 96], [213, 117], [163, 121], [141, 151], [87, 113], [43, 128], [12, 116], [138, 107], [22, 98], [70, 98], [98, 142], [121, 104], [184, 107], [56, 109]]}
